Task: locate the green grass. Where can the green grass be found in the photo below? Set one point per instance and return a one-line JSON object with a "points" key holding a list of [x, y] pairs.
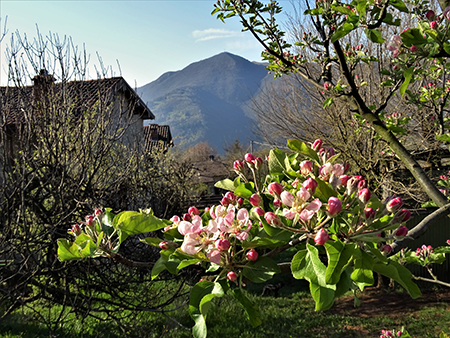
{"points": [[290, 315]]}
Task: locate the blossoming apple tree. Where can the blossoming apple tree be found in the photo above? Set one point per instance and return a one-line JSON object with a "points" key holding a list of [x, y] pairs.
{"points": [[308, 202]]}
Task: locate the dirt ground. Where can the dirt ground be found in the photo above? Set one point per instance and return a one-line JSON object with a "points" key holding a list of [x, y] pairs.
{"points": [[388, 303]]}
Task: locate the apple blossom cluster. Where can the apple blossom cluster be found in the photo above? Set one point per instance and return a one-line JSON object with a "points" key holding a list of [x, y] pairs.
{"points": [[89, 224], [352, 212], [389, 333]]}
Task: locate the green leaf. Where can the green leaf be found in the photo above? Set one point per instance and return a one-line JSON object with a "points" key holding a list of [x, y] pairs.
{"points": [[250, 308], [302, 148], [400, 274], [68, 250], [342, 31], [278, 162], [133, 224], [361, 7], [443, 137], [306, 264], [389, 19], [343, 10], [199, 304], [374, 35], [153, 241], [323, 190], [225, 184], [362, 274], [429, 204], [400, 5], [108, 222], [261, 270], [245, 190], [407, 75], [413, 37], [328, 102], [160, 264], [339, 256]]}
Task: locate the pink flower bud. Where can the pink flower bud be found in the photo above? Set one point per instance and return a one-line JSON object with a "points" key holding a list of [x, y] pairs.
{"points": [[344, 179], [193, 211], [98, 212], [364, 195], [175, 219], [76, 229], [272, 219], [258, 162], [403, 215], [321, 237], [402, 231], [317, 144], [310, 184], [259, 211], [240, 201], [89, 220], [275, 188], [430, 15], [277, 203], [225, 201], [362, 184], [447, 12], [186, 217], [433, 24], [238, 165], [394, 204], [164, 245], [330, 152], [352, 185], [413, 49], [255, 200], [249, 157], [231, 196], [334, 206], [223, 244], [232, 276], [306, 167], [386, 249], [327, 85], [369, 213], [346, 167], [252, 255]]}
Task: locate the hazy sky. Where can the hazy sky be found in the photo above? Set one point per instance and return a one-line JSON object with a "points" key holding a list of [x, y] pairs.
{"points": [[148, 37]]}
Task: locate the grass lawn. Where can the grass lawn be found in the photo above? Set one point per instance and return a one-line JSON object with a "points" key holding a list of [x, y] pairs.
{"points": [[289, 315]]}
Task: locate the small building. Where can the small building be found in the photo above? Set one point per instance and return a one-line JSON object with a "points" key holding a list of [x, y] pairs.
{"points": [[157, 138]]}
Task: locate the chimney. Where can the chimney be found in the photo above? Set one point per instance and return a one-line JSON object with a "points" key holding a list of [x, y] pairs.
{"points": [[42, 88]]}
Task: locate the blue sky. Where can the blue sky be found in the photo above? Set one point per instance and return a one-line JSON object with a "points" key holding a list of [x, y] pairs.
{"points": [[147, 37]]}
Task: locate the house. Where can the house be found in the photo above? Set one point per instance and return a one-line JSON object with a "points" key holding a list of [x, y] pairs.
{"points": [[113, 97], [157, 138]]}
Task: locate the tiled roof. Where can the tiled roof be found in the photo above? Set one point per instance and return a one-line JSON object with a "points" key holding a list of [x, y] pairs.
{"points": [[157, 138], [82, 95], [211, 171]]}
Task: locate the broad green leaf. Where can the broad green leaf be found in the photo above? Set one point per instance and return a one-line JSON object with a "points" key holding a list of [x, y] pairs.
{"points": [[339, 256], [277, 164], [344, 284], [154, 241], [362, 274], [188, 262], [389, 19], [400, 5], [250, 308], [413, 37], [323, 296], [443, 137], [225, 184], [68, 250], [200, 302], [324, 191], [138, 224], [328, 102], [400, 274], [407, 75], [442, 249], [342, 31], [302, 148], [343, 10], [160, 264], [447, 47], [261, 270], [361, 7], [374, 35], [245, 190]]}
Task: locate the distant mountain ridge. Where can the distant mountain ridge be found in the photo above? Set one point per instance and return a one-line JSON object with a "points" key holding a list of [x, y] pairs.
{"points": [[208, 100]]}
